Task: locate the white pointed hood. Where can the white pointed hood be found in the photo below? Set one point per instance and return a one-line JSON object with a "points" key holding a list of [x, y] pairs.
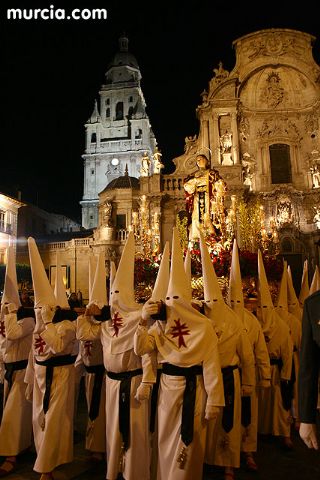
{"points": [[91, 273], [266, 312], [187, 269], [282, 300], [43, 292], [211, 289], [113, 271], [122, 291], [293, 302], [10, 290], [162, 281], [225, 321], [315, 284], [125, 312], [187, 333], [304, 291], [99, 289], [178, 281], [235, 294], [59, 287]]}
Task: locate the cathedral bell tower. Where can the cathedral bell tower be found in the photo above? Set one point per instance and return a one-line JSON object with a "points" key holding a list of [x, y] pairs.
{"points": [[118, 132]]}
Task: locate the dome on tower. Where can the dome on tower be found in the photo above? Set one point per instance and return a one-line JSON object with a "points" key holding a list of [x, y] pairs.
{"points": [[123, 182], [123, 57]]}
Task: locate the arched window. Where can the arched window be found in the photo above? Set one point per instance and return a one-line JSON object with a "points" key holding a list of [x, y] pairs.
{"points": [[286, 245], [93, 137], [130, 99], [108, 101], [280, 163], [119, 111], [107, 112]]}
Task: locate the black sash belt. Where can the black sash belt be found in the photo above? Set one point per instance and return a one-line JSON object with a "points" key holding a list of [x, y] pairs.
{"points": [[287, 389], [189, 396], [228, 386], [50, 363], [276, 361], [246, 411], [245, 408], [124, 401], [154, 401], [99, 372], [12, 367], [286, 386]]}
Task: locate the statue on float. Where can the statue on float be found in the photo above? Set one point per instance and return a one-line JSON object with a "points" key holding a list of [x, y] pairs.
{"points": [[205, 193]]}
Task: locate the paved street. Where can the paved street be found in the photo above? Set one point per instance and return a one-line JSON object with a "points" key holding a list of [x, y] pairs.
{"points": [[274, 463]]}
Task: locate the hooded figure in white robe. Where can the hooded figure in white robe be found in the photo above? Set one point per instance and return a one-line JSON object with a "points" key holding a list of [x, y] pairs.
{"points": [[293, 301], [249, 430], [191, 383], [129, 377], [53, 378], [294, 325], [274, 416], [304, 290], [315, 283], [224, 435], [16, 423], [92, 357]]}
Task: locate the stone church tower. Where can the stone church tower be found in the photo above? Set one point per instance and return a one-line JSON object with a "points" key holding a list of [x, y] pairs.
{"points": [[118, 133]]}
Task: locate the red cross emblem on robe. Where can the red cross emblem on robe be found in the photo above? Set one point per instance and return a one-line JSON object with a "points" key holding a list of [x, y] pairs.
{"points": [[39, 345], [117, 323], [87, 348], [2, 329], [179, 330]]}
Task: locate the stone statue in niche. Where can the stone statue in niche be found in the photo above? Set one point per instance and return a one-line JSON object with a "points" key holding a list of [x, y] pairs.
{"points": [[225, 148], [107, 212], [248, 170], [273, 94], [157, 164], [145, 165], [284, 209], [315, 175]]}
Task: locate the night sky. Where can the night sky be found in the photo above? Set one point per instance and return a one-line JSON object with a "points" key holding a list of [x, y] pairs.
{"points": [[52, 71]]}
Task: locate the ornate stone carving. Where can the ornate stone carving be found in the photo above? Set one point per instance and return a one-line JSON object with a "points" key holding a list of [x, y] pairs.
{"points": [[311, 123], [274, 93], [279, 127], [274, 44], [189, 142], [220, 74], [244, 128]]}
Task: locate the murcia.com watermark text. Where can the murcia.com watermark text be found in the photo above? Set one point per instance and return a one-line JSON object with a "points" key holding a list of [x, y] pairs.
{"points": [[52, 13]]}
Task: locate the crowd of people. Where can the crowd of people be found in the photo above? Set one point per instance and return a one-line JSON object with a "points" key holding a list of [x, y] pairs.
{"points": [[171, 384]]}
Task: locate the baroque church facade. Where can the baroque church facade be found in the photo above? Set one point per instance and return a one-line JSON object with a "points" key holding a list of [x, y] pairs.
{"points": [[258, 125]]}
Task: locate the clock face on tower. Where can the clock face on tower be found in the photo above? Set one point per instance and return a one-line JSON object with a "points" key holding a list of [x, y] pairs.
{"points": [[115, 162]]}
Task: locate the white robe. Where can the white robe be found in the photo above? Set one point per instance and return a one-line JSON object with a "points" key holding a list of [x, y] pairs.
{"points": [[223, 448], [273, 418], [16, 423], [263, 373], [53, 432], [91, 354], [295, 328], [209, 391], [137, 457]]}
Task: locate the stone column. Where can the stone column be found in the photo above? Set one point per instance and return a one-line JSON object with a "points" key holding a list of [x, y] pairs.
{"points": [[235, 138], [204, 138], [216, 140]]}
